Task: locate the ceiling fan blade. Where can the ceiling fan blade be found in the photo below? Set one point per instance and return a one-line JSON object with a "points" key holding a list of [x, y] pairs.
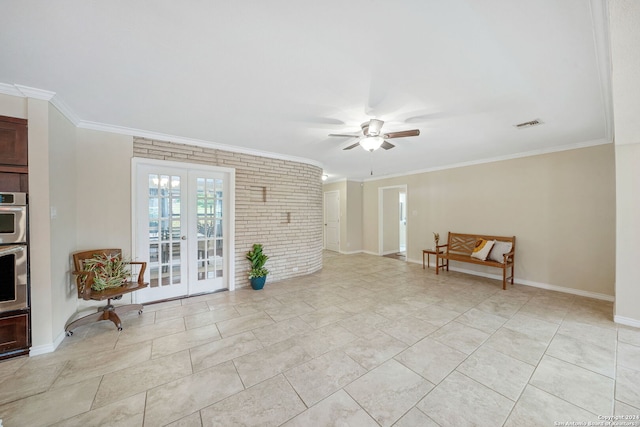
{"points": [[345, 135], [352, 146], [402, 134], [374, 127], [387, 145]]}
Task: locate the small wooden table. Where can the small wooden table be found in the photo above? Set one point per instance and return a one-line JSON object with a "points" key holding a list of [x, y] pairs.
{"points": [[428, 252]]}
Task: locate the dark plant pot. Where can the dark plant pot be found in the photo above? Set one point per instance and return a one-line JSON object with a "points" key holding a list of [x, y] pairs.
{"points": [[257, 283]]}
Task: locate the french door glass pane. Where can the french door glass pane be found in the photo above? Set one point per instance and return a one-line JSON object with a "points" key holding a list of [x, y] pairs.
{"points": [[209, 225], [164, 229]]}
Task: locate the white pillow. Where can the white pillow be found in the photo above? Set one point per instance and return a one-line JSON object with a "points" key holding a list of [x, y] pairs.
{"points": [[482, 249], [499, 249]]}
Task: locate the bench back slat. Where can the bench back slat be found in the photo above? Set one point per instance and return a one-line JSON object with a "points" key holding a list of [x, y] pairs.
{"points": [[460, 243]]}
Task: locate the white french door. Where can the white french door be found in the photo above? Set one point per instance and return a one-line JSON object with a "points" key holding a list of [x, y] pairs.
{"points": [[183, 228]]}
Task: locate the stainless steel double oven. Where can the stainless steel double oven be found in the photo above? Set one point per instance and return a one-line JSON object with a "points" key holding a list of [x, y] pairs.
{"points": [[14, 267]]}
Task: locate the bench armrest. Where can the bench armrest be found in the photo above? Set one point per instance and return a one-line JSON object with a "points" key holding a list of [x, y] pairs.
{"points": [[508, 255]]}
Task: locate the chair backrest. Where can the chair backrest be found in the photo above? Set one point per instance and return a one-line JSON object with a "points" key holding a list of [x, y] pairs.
{"points": [[84, 292]]}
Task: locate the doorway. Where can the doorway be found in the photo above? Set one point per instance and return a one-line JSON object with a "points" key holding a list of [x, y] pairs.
{"points": [[392, 221], [183, 228], [332, 220]]}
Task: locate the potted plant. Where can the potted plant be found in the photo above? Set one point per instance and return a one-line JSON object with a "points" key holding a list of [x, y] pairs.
{"points": [[258, 273]]}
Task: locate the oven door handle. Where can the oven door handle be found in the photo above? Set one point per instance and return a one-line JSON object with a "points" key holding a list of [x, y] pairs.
{"points": [[11, 250]]}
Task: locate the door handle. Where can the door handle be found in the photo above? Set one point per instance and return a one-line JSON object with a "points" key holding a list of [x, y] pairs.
{"points": [[183, 238]]}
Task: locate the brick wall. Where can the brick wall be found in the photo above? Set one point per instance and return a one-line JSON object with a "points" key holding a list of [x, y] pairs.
{"points": [[278, 204]]}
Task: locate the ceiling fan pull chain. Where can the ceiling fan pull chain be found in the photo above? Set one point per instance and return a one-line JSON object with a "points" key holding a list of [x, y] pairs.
{"points": [[371, 161]]}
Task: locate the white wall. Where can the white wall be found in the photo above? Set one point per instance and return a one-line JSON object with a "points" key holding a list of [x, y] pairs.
{"points": [[625, 39], [62, 198]]}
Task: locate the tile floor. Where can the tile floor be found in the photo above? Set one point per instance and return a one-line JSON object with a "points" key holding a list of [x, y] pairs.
{"points": [[368, 341]]}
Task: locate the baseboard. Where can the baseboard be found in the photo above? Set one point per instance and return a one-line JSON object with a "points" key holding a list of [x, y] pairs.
{"points": [[350, 252], [588, 294], [46, 348], [627, 321]]}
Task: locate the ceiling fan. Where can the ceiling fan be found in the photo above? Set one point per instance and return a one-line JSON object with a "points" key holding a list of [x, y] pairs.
{"points": [[372, 138]]}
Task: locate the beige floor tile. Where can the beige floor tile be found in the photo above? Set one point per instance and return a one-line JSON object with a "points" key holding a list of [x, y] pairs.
{"points": [[478, 319], [436, 315], [287, 311], [537, 408], [324, 340], [414, 418], [459, 401], [269, 403], [374, 349], [216, 352], [388, 391], [461, 337], [583, 388], [173, 343], [621, 408], [237, 325], [210, 317], [363, 323], [408, 329], [139, 378], [594, 357], [27, 381], [627, 390], [144, 333], [535, 328], [499, 372], [325, 316], [127, 412], [268, 362], [629, 335], [181, 311], [52, 406], [517, 345], [544, 311], [322, 376], [629, 356], [182, 397], [431, 359], [282, 330], [193, 420], [339, 409], [102, 363], [596, 335]]}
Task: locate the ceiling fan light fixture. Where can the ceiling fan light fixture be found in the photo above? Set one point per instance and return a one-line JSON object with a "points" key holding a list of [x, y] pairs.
{"points": [[371, 143]]}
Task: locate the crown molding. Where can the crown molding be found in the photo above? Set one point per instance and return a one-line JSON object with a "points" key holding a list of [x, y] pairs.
{"points": [[10, 90], [32, 92], [568, 147], [83, 124], [65, 110]]}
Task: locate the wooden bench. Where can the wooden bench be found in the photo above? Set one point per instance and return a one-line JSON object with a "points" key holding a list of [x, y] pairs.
{"points": [[460, 246]]}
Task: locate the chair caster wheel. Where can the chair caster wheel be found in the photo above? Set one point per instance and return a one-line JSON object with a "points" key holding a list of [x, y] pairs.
{"points": [[119, 328], [139, 311], [69, 333]]}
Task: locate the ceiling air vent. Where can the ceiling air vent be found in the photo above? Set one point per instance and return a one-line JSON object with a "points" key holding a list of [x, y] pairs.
{"points": [[535, 122]]}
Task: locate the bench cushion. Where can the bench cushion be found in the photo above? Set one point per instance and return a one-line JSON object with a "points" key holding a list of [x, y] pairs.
{"points": [[482, 249], [499, 249]]}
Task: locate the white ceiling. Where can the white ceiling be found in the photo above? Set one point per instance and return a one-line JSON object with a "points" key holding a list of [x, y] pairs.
{"points": [[279, 76]]}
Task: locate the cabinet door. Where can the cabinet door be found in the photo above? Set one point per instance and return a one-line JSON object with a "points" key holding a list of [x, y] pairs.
{"points": [[14, 332], [13, 141]]}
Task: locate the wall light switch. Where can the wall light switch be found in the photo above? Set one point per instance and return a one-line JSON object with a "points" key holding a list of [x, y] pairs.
{"points": [[54, 212]]}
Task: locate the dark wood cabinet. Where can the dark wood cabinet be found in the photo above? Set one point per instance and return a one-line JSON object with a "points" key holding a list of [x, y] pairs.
{"points": [[14, 334], [13, 154]]}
